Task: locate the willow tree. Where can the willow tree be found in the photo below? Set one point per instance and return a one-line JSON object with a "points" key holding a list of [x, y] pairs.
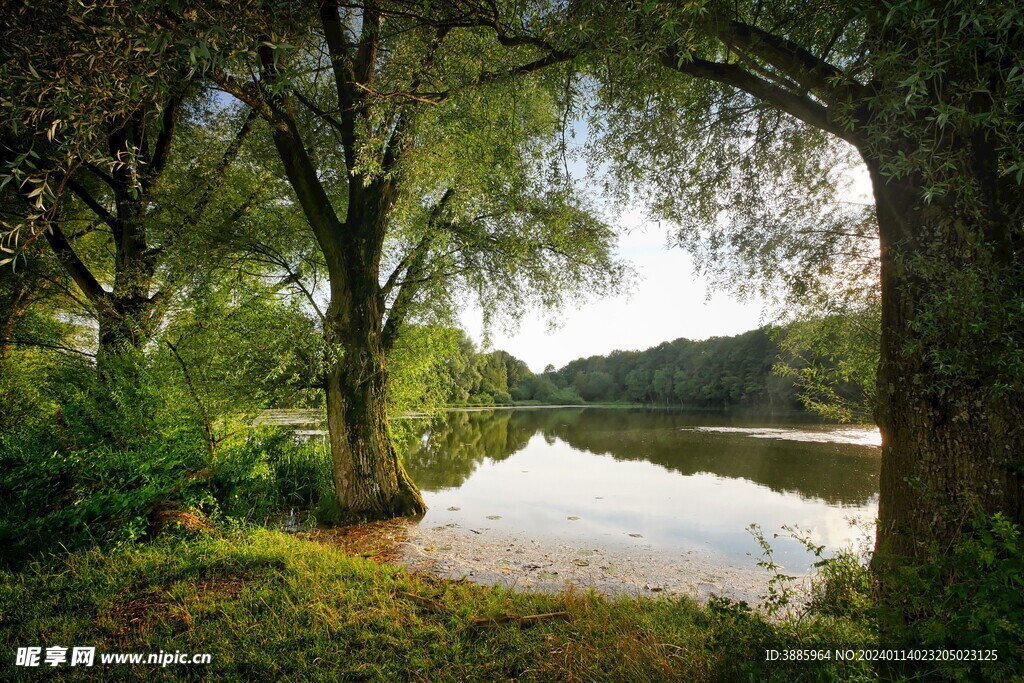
{"points": [[736, 112], [419, 166], [105, 144]]}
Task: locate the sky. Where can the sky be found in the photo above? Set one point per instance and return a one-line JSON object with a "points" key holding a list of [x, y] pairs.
{"points": [[668, 300]]}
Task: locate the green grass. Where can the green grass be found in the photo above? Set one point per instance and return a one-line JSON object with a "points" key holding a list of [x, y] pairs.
{"points": [[268, 606]]}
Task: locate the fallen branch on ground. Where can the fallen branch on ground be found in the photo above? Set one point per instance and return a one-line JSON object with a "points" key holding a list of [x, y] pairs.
{"points": [[515, 619], [427, 603]]}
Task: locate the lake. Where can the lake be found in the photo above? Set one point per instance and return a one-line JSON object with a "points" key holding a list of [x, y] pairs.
{"points": [[624, 483]]}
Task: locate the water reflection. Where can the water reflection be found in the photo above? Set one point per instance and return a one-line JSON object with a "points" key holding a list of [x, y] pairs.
{"points": [[843, 474], [643, 481], [448, 452]]}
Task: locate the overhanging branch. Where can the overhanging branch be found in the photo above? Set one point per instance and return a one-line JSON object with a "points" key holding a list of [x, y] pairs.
{"points": [[800, 106]]}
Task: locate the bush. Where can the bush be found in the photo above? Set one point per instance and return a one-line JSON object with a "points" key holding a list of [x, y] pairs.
{"points": [[106, 457], [972, 598], [104, 454], [84, 496], [969, 599], [843, 587], [107, 495], [270, 472]]}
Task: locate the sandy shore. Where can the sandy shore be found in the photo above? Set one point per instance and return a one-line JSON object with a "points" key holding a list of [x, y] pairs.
{"points": [[492, 557], [489, 556]]}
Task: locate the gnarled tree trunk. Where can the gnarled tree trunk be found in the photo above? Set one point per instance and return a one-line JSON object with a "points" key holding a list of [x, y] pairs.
{"points": [[369, 478], [952, 433]]}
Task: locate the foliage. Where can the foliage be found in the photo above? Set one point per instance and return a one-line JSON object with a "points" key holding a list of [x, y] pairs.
{"points": [[99, 465], [73, 71], [268, 473], [833, 358], [970, 597], [416, 385], [89, 496], [830, 361], [25, 402], [717, 372], [240, 345], [73, 497], [780, 591], [104, 457], [476, 378], [755, 192], [966, 599]]}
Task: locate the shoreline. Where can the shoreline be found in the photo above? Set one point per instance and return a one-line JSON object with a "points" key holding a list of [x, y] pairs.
{"points": [[492, 558]]}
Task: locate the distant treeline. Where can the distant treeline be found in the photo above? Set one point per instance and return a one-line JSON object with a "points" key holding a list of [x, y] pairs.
{"points": [[714, 373]]}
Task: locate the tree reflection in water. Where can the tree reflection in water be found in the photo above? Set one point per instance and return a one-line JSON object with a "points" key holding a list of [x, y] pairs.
{"points": [[450, 449]]}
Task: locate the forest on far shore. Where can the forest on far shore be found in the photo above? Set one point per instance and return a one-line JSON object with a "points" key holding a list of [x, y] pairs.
{"points": [[751, 371]]}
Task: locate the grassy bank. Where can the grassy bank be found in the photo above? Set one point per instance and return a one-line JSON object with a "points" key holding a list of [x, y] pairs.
{"points": [[268, 606]]}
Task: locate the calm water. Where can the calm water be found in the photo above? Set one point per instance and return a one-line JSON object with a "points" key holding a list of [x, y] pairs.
{"points": [[649, 479]]}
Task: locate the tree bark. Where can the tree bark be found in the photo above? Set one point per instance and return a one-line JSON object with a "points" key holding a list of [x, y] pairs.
{"points": [[126, 313], [370, 480], [952, 438]]}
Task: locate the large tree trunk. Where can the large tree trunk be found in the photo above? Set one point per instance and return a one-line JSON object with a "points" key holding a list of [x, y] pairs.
{"points": [[369, 478], [124, 320], [952, 432]]}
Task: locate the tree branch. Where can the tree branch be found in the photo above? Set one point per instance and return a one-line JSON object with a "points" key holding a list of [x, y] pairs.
{"points": [[102, 175], [802, 107], [413, 265], [344, 76], [312, 106], [369, 40], [230, 154], [211, 442], [274, 257], [78, 271], [95, 206], [302, 174], [162, 148], [798, 63], [553, 57], [248, 94], [21, 342]]}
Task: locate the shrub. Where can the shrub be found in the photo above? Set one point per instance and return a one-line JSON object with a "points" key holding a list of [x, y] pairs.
{"points": [[971, 598], [269, 472], [97, 495]]}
